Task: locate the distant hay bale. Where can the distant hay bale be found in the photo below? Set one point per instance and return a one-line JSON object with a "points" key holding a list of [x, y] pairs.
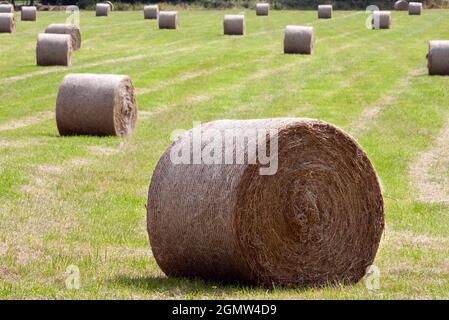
{"points": [[262, 9], [6, 8], [415, 8], [438, 57], [28, 13], [151, 12], [382, 20], [168, 20], [102, 9], [299, 39], [317, 220], [69, 29], [96, 104], [325, 11], [234, 24], [54, 49], [401, 5], [7, 23]]}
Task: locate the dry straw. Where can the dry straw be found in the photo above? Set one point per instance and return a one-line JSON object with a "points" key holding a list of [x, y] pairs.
{"points": [[438, 57], [7, 23], [6, 8], [234, 24], [318, 220], [325, 11], [96, 104], [401, 5], [151, 12], [102, 9], [382, 20], [54, 49], [168, 20], [262, 9], [28, 13], [69, 29], [415, 8], [299, 39]]}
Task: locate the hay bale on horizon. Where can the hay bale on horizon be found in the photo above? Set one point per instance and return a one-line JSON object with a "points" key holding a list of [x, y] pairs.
{"points": [[168, 20], [69, 29], [318, 220], [28, 13], [299, 39], [7, 23], [6, 8], [151, 12], [415, 8], [107, 105], [438, 57], [401, 5], [53, 49], [382, 20], [102, 9], [325, 11], [262, 9], [234, 24]]}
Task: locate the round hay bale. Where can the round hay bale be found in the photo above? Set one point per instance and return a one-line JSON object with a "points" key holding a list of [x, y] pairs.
{"points": [[151, 12], [7, 23], [299, 39], [102, 9], [168, 20], [262, 9], [28, 13], [234, 24], [318, 220], [54, 49], [401, 5], [325, 11], [69, 29], [6, 8], [382, 20], [111, 5], [414, 8], [438, 57], [96, 104]]}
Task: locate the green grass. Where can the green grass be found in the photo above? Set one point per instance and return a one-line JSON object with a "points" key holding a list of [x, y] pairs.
{"points": [[81, 200]]}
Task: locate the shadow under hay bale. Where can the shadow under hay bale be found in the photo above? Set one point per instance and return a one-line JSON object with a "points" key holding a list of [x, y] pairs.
{"points": [[69, 29], [28, 13], [54, 49], [382, 20], [107, 105], [6, 8], [317, 220], [168, 20], [438, 57], [299, 39], [325, 11], [401, 5], [234, 24], [151, 12], [414, 8], [7, 23], [102, 10], [262, 9]]}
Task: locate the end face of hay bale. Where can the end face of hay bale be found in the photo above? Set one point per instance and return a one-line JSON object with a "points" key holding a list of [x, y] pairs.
{"points": [[69, 29], [234, 24], [28, 13], [54, 49], [299, 39], [6, 8], [262, 9], [401, 5], [151, 12], [168, 20], [382, 20], [325, 11], [318, 220], [107, 105], [414, 8], [438, 57], [102, 9], [7, 23]]}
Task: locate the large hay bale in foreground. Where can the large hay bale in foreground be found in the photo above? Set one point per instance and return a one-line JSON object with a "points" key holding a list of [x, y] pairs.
{"points": [[6, 8], [414, 8], [262, 9], [168, 20], [102, 9], [28, 13], [151, 12], [7, 23], [69, 29], [96, 104], [382, 20], [299, 39], [401, 5], [54, 49], [438, 57], [325, 11], [318, 220], [234, 24]]}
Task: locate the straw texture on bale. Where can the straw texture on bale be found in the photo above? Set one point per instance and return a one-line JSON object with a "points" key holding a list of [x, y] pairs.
{"points": [[262, 9], [234, 24], [69, 29], [299, 39], [102, 10], [438, 57], [415, 8], [96, 104], [325, 11], [401, 5], [168, 20], [7, 23], [382, 20], [28, 13], [151, 12], [53, 50], [6, 8], [318, 220]]}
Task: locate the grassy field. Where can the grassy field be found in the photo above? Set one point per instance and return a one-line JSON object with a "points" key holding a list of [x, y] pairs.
{"points": [[81, 200]]}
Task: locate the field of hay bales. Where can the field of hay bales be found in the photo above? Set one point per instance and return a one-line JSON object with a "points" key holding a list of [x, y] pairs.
{"points": [[78, 203]]}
